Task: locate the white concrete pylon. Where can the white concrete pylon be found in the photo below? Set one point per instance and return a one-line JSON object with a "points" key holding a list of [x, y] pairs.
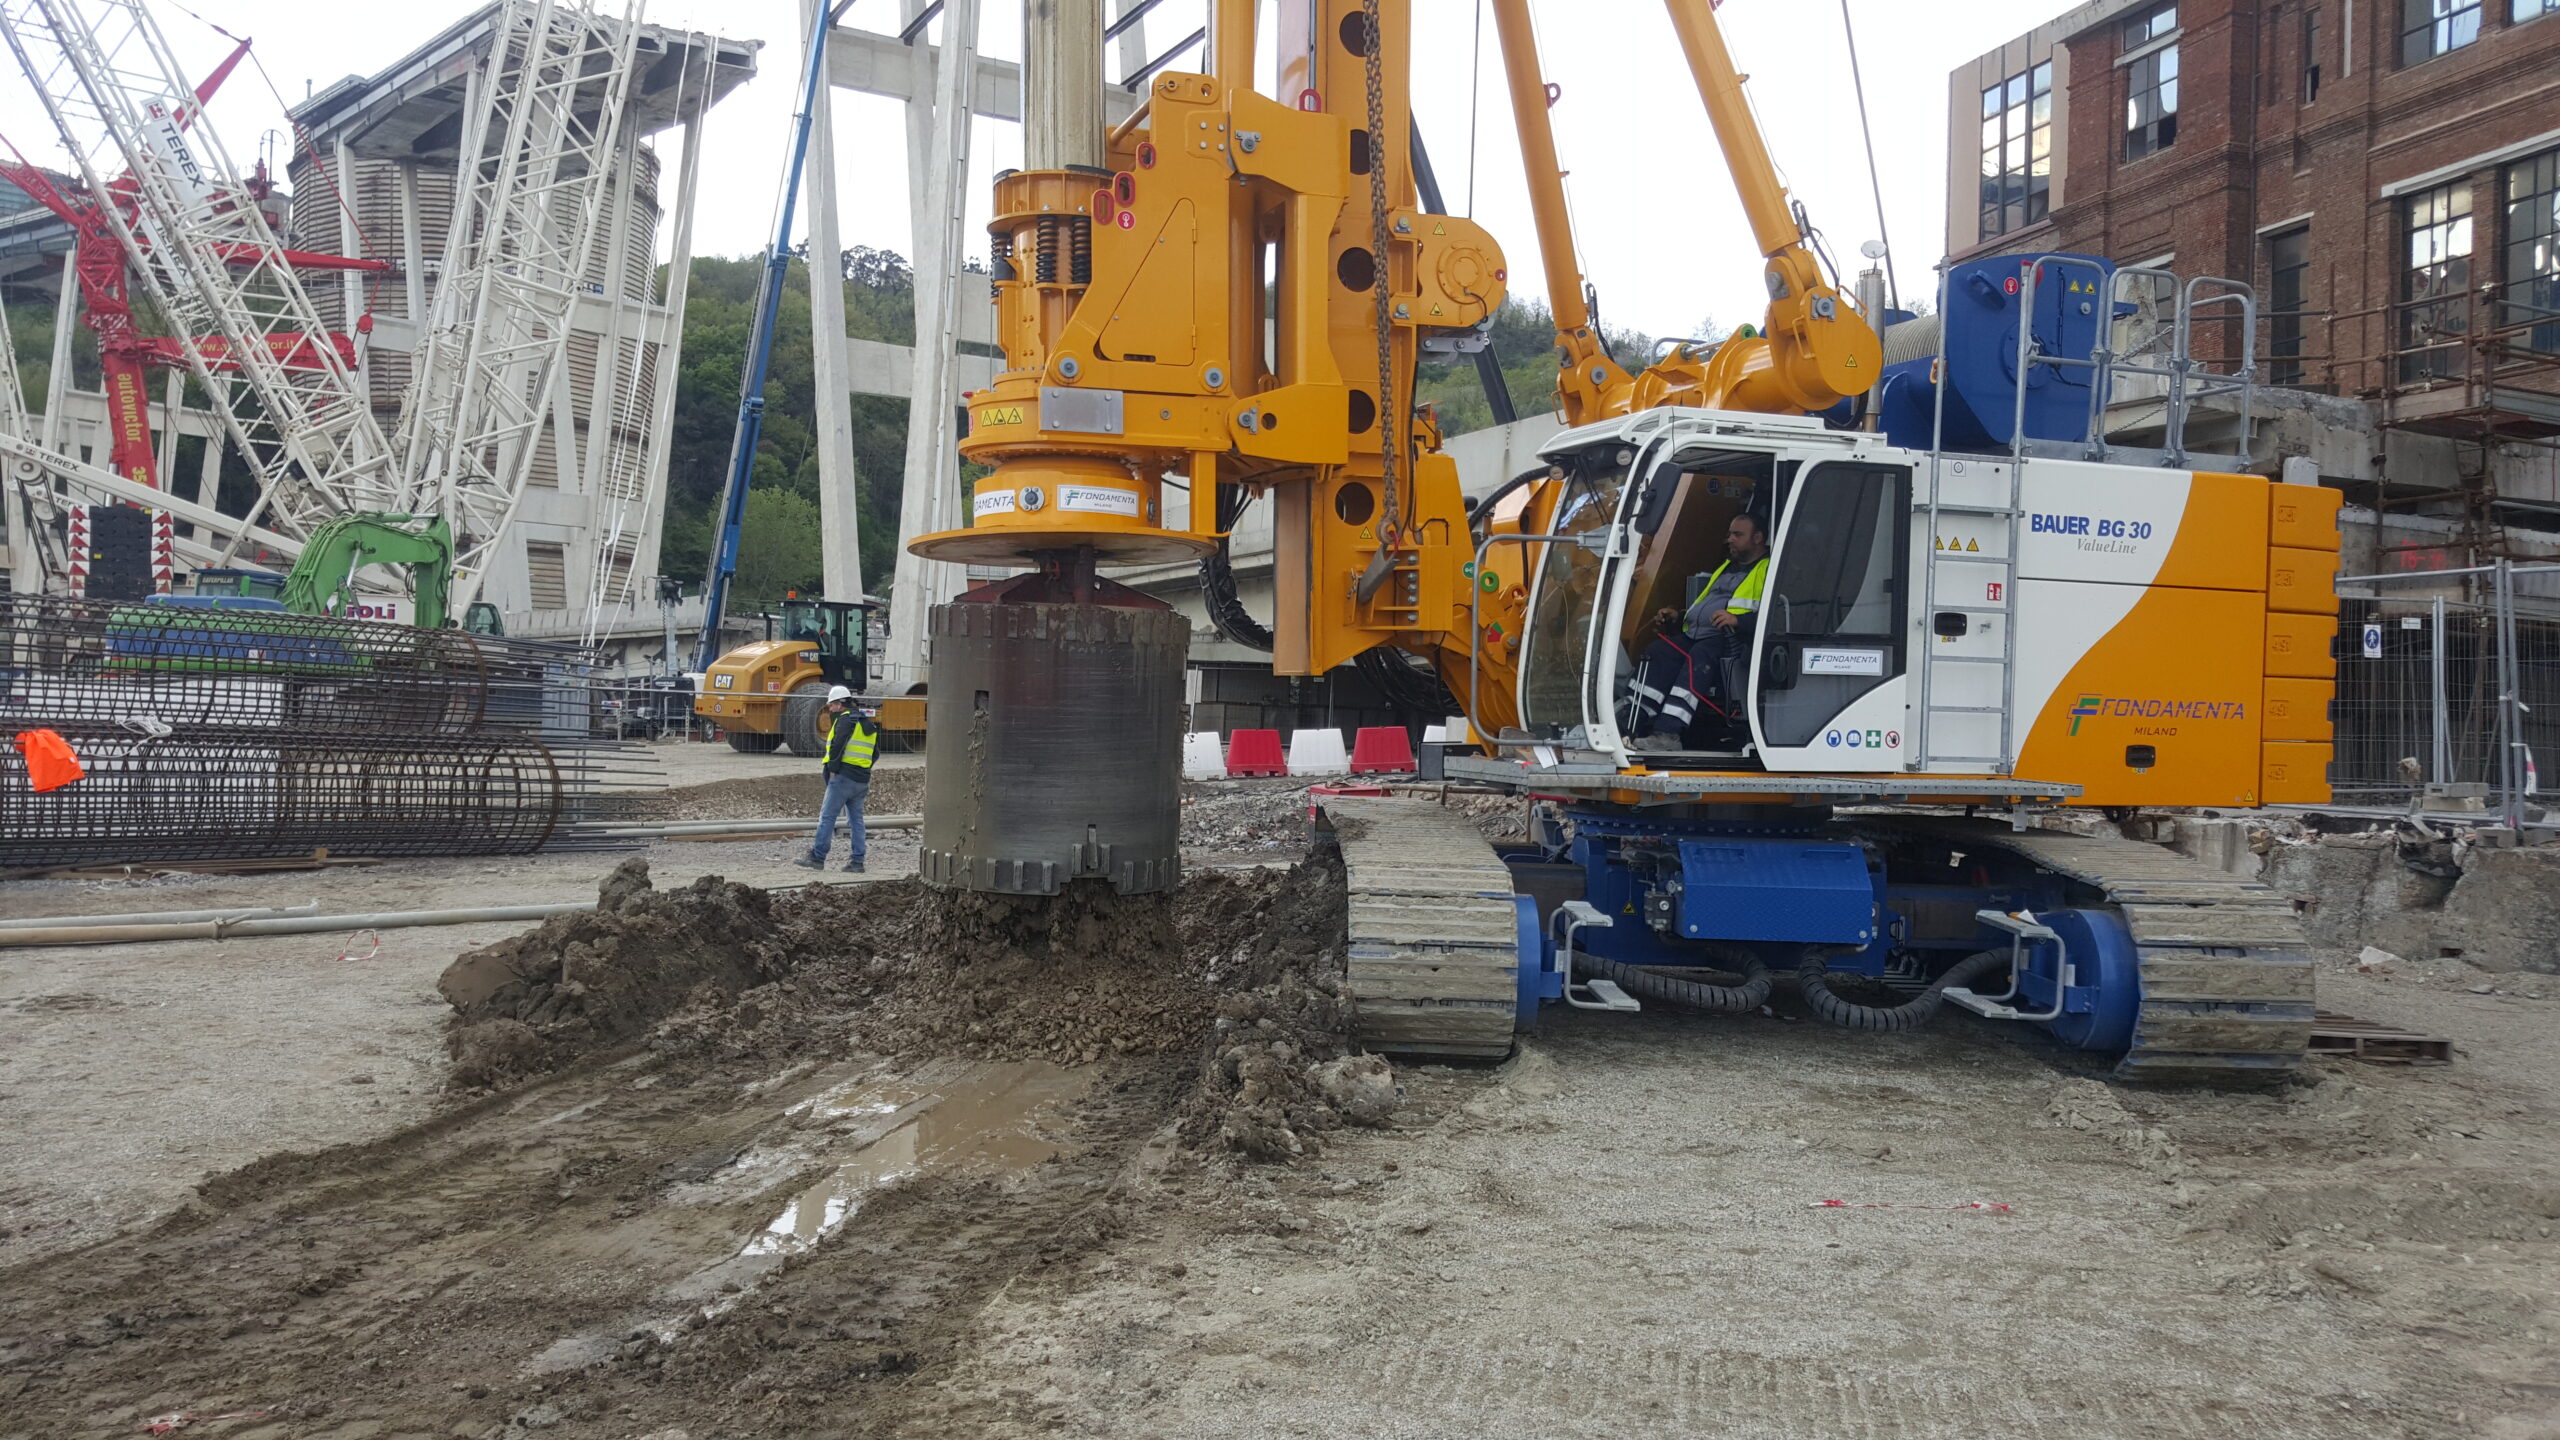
{"points": [[839, 519], [1318, 752], [938, 147]]}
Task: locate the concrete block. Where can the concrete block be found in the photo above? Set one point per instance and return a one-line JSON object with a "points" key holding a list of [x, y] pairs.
{"points": [[2224, 844], [1318, 752], [1204, 756]]}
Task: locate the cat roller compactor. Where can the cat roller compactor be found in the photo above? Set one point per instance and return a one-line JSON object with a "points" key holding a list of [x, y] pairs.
{"points": [[1971, 605], [766, 694]]}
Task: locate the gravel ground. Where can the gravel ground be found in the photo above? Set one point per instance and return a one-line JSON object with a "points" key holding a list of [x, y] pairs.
{"points": [[1622, 1231], [1625, 1231]]}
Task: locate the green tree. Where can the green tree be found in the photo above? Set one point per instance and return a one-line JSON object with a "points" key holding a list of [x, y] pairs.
{"points": [[778, 549], [879, 291], [1523, 338]]}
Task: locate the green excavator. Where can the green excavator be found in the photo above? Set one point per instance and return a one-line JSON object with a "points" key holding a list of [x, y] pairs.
{"points": [[322, 581]]}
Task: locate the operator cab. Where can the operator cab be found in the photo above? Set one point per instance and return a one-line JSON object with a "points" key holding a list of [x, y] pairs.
{"points": [[1619, 650], [837, 630]]}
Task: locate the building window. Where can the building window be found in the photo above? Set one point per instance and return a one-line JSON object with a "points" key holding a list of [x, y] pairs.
{"points": [[2524, 10], [2017, 151], [2532, 268], [2437, 224], [2150, 25], [2151, 103], [2288, 296], [2429, 28], [2310, 53]]}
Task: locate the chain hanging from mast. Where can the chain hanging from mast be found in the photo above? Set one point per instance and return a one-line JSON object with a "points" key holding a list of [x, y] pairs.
{"points": [[1391, 429]]}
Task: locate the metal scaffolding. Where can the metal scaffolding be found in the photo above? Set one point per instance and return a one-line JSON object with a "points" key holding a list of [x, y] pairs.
{"points": [[206, 257], [540, 139]]}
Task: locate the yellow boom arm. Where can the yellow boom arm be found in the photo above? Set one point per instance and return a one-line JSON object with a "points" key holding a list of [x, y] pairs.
{"points": [[1813, 349]]}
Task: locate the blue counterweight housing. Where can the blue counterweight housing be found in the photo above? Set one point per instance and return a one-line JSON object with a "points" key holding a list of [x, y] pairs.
{"points": [[1984, 300]]}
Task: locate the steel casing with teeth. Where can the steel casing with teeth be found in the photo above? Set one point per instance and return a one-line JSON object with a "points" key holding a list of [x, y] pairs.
{"points": [[1054, 752]]}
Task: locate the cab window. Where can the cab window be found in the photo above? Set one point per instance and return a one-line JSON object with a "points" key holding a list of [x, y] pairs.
{"points": [[1832, 627]]}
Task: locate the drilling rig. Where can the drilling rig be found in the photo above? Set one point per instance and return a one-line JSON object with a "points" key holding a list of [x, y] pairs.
{"points": [[1134, 270], [2003, 617]]}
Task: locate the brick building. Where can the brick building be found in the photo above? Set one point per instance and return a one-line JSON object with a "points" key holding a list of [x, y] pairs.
{"points": [[2384, 173]]}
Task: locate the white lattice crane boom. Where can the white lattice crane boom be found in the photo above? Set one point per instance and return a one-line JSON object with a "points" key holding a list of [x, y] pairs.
{"points": [[538, 147], [206, 256]]}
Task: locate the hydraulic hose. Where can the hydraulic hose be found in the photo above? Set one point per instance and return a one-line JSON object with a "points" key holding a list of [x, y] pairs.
{"points": [[1416, 694], [1227, 614], [1739, 999], [1813, 978]]}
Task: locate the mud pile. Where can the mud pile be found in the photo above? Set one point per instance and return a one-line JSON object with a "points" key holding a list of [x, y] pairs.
{"points": [[1239, 974], [575, 983]]}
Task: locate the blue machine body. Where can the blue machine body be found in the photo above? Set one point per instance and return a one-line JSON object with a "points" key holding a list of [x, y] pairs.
{"points": [[1984, 308], [216, 602], [1805, 892], [1665, 883], [1670, 887]]}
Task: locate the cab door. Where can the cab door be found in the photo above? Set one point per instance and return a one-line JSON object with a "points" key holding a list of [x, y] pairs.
{"points": [[1828, 679]]}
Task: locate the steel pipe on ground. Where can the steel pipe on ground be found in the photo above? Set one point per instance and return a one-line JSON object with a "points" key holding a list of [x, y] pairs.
{"points": [[164, 917], [78, 934], [746, 827]]}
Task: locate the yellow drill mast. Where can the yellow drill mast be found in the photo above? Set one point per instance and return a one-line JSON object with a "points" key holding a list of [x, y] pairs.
{"points": [[1208, 311], [1812, 349]]}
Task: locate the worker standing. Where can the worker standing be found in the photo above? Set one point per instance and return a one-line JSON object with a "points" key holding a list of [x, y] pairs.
{"points": [[852, 741], [1689, 667]]}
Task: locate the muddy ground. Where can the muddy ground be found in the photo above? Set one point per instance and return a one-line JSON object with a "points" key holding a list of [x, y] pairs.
{"points": [[885, 1168]]}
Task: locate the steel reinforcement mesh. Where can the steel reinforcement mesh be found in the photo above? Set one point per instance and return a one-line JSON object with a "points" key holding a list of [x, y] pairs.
{"points": [[255, 794], [254, 734], [80, 661]]}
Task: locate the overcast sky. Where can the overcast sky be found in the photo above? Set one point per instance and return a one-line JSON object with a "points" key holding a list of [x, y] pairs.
{"points": [[1659, 229]]}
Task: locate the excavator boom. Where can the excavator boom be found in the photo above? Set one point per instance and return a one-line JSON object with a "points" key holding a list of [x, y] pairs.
{"points": [[322, 581]]}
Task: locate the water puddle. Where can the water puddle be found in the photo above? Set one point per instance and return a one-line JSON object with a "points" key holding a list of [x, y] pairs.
{"points": [[986, 1117], [947, 1115]]}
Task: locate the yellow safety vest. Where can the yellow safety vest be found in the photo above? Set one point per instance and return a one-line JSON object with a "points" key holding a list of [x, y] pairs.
{"points": [[853, 745], [1746, 596]]}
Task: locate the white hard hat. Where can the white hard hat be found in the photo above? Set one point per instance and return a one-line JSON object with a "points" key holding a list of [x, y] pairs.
{"points": [[838, 692]]}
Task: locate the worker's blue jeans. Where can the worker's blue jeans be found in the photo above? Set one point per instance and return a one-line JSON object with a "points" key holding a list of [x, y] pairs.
{"points": [[845, 796]]}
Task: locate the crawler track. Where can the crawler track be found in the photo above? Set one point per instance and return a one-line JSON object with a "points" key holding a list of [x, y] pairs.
{"points": [[2226, 980], [1434, 938]]}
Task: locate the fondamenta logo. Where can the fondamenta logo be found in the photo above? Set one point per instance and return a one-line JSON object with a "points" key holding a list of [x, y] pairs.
{"points": [[2133, 708]]}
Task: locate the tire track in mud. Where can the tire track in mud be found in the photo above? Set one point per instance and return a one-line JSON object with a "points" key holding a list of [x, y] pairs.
{"points": [[1451, 1381], [410, 1282]]}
